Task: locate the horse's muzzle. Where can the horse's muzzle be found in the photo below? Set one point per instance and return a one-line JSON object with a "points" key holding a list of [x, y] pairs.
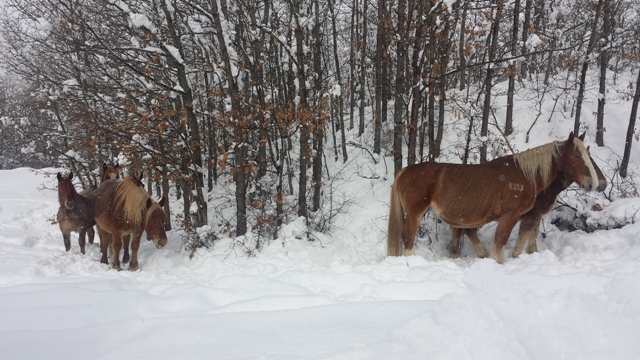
{"points": [[160, 243]]}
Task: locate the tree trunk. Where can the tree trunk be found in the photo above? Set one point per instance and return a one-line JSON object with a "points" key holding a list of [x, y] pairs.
{"points": [[398, 106], [511, 71], [604, 62], [363, 67], [585, 66], [630, 130], [486, 109]]}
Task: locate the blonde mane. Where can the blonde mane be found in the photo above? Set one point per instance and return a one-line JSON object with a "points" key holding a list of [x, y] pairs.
{"points": [[130, 200], [537, 160]]}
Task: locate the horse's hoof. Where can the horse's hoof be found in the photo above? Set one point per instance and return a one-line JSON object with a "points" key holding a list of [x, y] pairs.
{"points": [[134, 267], [125, 260]]}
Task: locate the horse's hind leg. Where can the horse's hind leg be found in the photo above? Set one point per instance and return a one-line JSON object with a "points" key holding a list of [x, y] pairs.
{"points": [[411, 224], [472, 234], [454, 248], [126, 240]]}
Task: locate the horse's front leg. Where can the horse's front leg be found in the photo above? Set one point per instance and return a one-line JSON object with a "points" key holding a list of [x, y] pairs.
{"points": [[503, 230], [533, 239], [472, 234], [456, 235], [126, 241], [91, 233], [135, 245], [116, 244], [82, 239], [66, 236]]}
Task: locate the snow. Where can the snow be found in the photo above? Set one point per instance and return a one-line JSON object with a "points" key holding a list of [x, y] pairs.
{"points": [[334, 298]]}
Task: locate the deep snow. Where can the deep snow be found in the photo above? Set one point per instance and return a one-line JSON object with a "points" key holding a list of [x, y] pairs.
{"points": [[337, 297]]}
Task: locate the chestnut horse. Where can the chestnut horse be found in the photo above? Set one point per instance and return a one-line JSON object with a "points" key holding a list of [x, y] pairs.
{"points": [[124, 208], [76, 213], [529, 222], [469, 196], [109, 172]]}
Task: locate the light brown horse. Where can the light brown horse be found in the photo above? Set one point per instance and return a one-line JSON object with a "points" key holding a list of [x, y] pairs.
{"points": [[76, 213], [469, 196], [110, 172], [529, 222], [124, 208]]}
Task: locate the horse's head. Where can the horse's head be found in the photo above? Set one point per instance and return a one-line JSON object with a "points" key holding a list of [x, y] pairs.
{"points": [[155, 224], [110, 171], [577, 166], [602, 181], [66, 191], [138, 179]]}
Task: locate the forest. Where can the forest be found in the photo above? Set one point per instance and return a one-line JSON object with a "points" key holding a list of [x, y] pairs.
{"points": [[258, 96]]}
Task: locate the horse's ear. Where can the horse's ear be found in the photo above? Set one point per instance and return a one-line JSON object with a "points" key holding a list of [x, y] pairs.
{"points": [[581, 137], [59, 176], [117, 166], [70, 176], [161, 203], [149, 203], [104, 166], [571, 137]]}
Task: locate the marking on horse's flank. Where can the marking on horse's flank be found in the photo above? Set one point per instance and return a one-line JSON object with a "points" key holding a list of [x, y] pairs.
{"points": [[516, 187]]}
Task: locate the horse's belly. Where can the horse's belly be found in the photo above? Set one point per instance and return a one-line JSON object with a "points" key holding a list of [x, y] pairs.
{"points": [[464, 217]]}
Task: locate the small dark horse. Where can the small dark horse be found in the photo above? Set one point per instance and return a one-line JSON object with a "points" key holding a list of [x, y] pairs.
{"points": [[529, 222], [76, 213], [124, 208], [469, 196]]}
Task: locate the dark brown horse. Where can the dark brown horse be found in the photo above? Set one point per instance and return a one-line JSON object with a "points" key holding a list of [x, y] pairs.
{"points": [[529, 222], [76, 213], [124, 208], [469, 196]]}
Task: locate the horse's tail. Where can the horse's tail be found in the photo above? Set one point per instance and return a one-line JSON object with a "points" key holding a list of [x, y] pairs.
{"points": [[396, 222]]}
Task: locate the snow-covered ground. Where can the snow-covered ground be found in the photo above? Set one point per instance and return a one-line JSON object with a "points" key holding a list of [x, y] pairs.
{"points": [[336, 297]]}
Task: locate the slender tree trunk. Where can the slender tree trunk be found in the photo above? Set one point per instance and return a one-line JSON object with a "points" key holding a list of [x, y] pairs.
{"points": [[303, 115], [486, 109], [585, 66], [240, 134], [345, 156], [604, 63], [319, 118], [352, 59], [630, 130], [511, 71], [461, 47], [363, 67], [398, 106]]}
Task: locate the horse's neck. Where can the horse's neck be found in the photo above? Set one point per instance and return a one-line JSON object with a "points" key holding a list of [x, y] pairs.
{"points": [[542, 184]]}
